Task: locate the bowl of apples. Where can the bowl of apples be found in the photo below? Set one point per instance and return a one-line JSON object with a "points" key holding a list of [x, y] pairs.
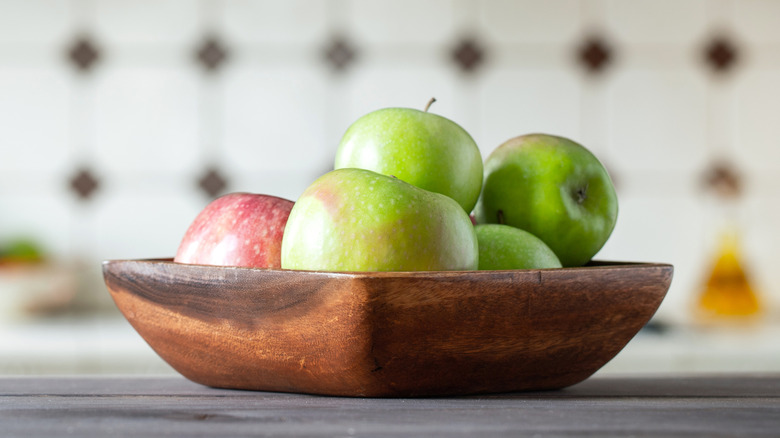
{"points": [[377, 282]]}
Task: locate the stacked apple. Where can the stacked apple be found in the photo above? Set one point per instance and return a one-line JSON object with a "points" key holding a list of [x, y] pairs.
{"points": [[399, 199]]}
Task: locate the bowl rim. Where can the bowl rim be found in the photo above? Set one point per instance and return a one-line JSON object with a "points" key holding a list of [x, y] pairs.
{"points": [[593, 265]]}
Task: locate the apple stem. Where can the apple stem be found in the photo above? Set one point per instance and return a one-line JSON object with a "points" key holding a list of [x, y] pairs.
{"points": [[430, 102], [581, 194], [500, 217]]}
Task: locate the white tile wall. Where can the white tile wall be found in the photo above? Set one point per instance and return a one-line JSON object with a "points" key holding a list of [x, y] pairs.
{"points": [[756, 20], [531, 22], [378, 86], [643, 22], [269, 22], [274, 118], [519, 102], [148, 121], [158, 220], [34, 105], [757, 130], [34, 21], [121, 22], [402, 22], [657, 120]]}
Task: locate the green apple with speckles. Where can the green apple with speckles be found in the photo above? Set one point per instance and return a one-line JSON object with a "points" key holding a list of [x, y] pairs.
{"points": [[505, 247], [358, 220], [554, 188], [424, 149]]}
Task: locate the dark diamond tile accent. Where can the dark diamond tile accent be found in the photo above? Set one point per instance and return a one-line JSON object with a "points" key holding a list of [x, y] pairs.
{"points": [[468, 54], [595, 54], [723, 179], [211, 54], [84, 183], [340, 53], [720, 55], [83, 54], [212, 182]]}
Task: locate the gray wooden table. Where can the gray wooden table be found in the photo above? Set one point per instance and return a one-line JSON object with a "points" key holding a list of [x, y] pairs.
{"points": [[172, 406]]}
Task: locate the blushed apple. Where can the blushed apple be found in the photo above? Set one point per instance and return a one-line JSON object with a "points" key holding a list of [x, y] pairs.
{"points": [[506, 247], [359, 220], [238, 229], [424, 149], [554, 188]]}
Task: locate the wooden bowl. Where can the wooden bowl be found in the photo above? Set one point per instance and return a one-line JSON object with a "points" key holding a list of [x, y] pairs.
{"points": [[386, 333]]}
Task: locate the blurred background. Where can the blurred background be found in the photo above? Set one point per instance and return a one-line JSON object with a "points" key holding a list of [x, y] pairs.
{"points": [[120, 120]]}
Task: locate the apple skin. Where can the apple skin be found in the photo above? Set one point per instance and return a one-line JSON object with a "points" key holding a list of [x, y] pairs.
{"points": [[238, 229], [555, 189], [424, 149], [505, 247], [359, 220]]}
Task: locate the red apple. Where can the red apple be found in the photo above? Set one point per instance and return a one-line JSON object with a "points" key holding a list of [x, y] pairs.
{"points": [[239, 229]]}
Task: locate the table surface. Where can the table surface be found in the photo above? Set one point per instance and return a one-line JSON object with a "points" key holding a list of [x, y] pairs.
{"points": [[730, 405]]}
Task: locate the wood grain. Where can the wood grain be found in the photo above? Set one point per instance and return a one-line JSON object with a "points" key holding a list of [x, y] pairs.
{"points": [[386, 334], [735, 405]]}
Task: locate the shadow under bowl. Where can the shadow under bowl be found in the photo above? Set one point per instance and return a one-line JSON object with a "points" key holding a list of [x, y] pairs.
{"points": [[386, 334]]}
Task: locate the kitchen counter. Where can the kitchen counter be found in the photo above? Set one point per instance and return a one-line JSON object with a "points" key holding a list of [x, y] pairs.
{"points": [[733, 405]]}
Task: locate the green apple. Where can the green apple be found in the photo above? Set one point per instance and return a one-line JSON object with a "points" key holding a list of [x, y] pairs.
{"points": [[421, 148], [555, 189], [359, 220], [505, 247]]}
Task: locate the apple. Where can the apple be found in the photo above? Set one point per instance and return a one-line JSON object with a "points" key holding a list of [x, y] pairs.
{"points": [[238, 229], [506, 247], [421, 148], [554, 188], [358, 220]]}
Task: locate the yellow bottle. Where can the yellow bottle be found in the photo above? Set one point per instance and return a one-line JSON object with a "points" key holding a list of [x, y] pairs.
{"points": [[728, 293]]}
